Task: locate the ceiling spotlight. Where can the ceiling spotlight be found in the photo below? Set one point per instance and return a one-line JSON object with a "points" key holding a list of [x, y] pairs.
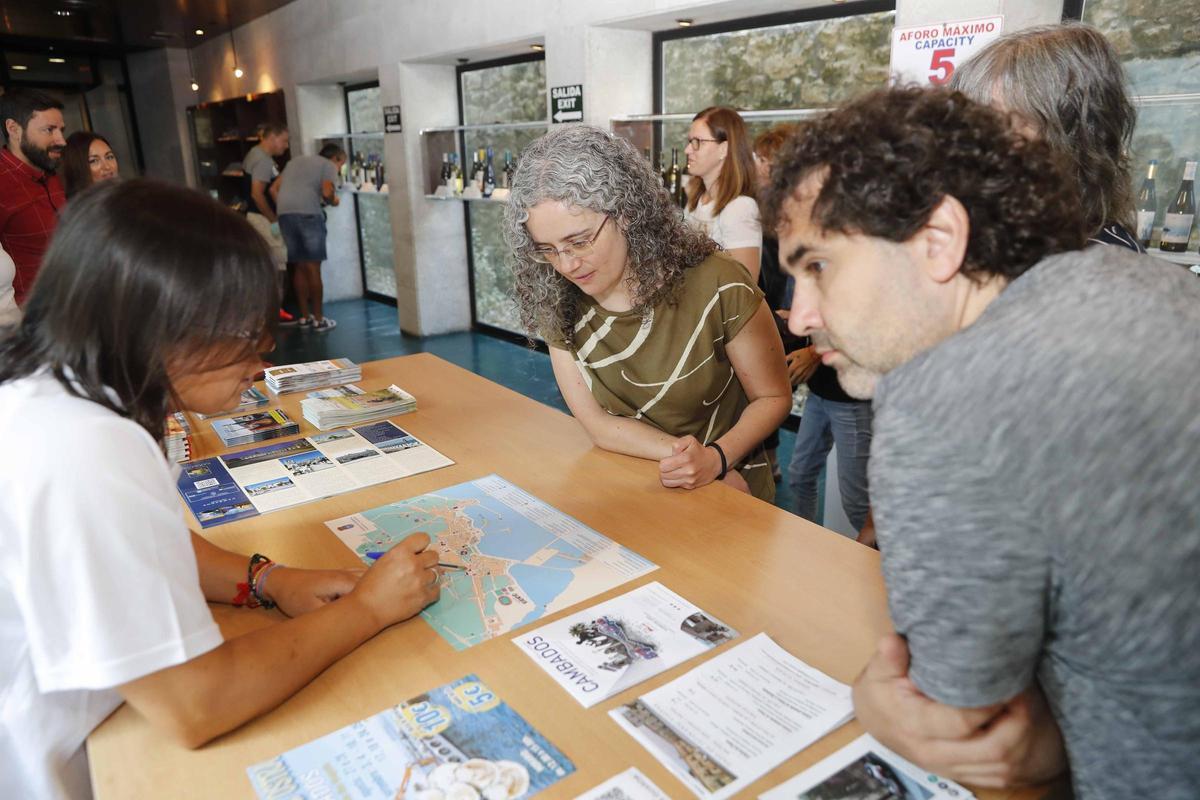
{"points": [[684, 23], [462, 60], [237, 72], [195, 86], [538, 48], [18, 67], [62, 13], [199, 31], [58, 61]]}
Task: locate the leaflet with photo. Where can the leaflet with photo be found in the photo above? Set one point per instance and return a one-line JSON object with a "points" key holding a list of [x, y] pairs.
{"points": [[352, 405], [628, 785], [311, 375], [865, 768], [285, 474], [457, 741], [257, 426], [251, 399], [606, 649], [736, 717]]}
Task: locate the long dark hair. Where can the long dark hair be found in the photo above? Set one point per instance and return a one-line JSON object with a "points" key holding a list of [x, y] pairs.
{"points": [[139, 273], [76, 172]]}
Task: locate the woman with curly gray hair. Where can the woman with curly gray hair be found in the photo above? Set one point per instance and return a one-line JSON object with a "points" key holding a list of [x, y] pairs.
{"points": [[662, 347]]}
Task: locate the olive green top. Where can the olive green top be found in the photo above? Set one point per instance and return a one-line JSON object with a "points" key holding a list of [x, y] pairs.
{"points": [[670, 368]]}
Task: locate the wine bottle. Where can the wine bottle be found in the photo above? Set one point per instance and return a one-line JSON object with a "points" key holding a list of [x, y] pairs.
{"points": [[673, 174], [662, 169], [445, 169], [489, 175], [681, 197], [1147, 206], [506, 177], [1177, 224], [458, 176], [477, 172]]}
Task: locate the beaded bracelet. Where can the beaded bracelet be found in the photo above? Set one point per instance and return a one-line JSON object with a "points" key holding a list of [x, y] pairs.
{"points": [[248, 594], [260, 581]]}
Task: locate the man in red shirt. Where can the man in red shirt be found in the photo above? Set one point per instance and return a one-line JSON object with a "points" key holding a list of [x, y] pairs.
{"points": [[30, 193]]}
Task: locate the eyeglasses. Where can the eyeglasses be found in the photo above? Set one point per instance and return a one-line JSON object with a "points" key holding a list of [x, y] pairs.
{"points": [[550, 255], [696, 141]]}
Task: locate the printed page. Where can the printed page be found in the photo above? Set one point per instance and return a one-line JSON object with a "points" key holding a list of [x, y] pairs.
{"points": [[213, 496], [611, 647], [737, 716], [628, 785], [362, 461], [456, 741], [865, 768], [264, 478]]}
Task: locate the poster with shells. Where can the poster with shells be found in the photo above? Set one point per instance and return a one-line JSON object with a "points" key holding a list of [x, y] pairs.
{"points": [[457, 742]]}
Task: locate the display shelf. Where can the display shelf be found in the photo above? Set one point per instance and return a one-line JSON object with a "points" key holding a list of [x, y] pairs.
{"points": [[456, 138], [466, 199], [1186, 258]]}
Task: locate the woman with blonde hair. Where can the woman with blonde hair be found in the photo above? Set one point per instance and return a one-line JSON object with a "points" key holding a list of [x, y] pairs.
{"points": [[721, 193], [663, 348]]}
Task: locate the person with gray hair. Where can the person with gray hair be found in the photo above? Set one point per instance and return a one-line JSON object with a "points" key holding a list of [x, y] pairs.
{"points": [[1064, 84], [662, 346]]}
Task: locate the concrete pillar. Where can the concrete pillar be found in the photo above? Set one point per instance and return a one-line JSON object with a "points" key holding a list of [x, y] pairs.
{"points": [[614, 65], [429, 237]]}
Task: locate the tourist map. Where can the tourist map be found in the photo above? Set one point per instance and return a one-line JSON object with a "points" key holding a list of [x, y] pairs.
{"points": [[520, 558]]}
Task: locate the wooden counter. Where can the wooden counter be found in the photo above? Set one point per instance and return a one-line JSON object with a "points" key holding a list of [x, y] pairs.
{"points": [[756, 567]]}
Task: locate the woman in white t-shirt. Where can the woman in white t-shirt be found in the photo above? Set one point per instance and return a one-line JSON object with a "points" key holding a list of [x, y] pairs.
{"points": [[721, 197], [10, 313], [150, 298]]}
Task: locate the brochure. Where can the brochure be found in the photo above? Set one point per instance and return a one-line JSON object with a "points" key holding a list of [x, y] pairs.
{"points": [[628, 785], [517, 558], [285, 474], [736, 717], [255, 427], [311, 375], [457, 741], [251, 399], [865, 768], [609, 648], [351, 405], [177, 442]]}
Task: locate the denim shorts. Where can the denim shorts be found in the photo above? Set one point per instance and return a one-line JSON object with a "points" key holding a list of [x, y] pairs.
{"points": [[304, 236]]}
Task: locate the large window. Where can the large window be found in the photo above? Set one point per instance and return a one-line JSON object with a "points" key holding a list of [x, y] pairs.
{"points": [[499, 93], [807, 59], [364, 113], [1159, 45]]}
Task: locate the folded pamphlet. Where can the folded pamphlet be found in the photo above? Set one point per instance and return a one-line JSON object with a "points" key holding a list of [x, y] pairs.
{"points": [[251, 399], [457, 741], [256, 427], [606, 649], [177, 442], [865, 768], [312, 375], [736, 717], [351, 405]]}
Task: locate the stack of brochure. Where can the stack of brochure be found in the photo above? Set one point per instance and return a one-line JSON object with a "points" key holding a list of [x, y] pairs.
{"points": [[350, 405], [256, 427], [313, 375], [251, 399], [177, 443]]}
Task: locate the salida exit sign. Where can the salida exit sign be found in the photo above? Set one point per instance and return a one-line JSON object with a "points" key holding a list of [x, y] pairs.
{"points": [[568, 103]]}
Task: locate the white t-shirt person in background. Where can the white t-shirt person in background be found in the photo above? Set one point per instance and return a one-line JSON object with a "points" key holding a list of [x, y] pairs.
{"points": [[104, 591], [721, 199], [10, 313]]}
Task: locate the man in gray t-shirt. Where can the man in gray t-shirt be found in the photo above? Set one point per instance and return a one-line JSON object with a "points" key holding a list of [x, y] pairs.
{"points": [[1035, 454], [308, 183]]}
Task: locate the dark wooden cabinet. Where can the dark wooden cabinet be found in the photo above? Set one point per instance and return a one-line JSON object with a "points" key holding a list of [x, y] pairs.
{"points": [[223, 132]]}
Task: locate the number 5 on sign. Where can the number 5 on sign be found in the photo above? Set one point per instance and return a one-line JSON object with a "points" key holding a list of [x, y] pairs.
{"points": [[941, 66], [929, 54]]}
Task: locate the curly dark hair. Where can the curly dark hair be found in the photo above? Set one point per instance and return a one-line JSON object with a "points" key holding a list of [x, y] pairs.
{"points": [[890, 156], [590, 168]]}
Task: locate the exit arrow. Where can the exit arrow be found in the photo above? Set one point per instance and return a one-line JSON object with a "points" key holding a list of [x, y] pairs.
{"points": [[568, 116]]}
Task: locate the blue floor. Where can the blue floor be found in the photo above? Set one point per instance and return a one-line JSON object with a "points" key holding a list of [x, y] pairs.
{"points": [[368, 330]]}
